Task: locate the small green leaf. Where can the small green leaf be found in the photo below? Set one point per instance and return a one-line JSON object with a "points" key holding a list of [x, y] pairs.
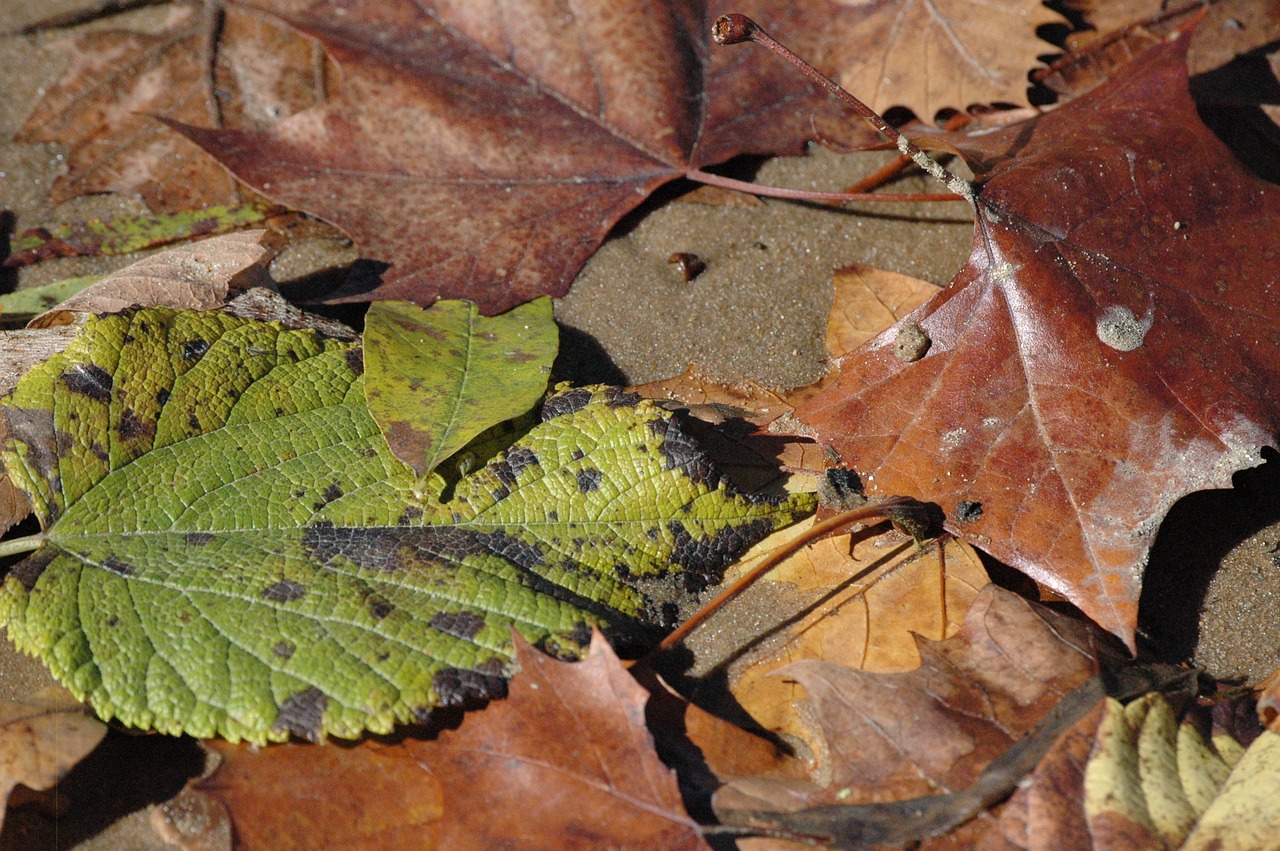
{"points": [[439, 377], [232, 549], [20, 305]]}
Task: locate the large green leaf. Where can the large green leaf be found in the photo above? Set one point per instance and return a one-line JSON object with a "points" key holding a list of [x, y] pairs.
{"points": [[231, 547], [439, 377]]}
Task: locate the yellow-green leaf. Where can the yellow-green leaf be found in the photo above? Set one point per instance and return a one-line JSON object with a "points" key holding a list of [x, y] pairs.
{"points": [[231, 548], [440, 376]]}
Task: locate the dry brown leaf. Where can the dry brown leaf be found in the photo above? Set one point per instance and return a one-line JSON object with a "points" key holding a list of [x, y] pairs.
{"points": [[858, 601], [371, 796], [931, 55], [933, 730], [194, 276], [102, 107], [564, 762], [42, 737], [869, 300]]}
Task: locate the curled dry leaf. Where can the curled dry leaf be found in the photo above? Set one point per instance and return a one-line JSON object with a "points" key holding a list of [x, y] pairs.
{"points": [[858, 601], [42, 737], [1144, 775], [195, 276], [933, 730]]}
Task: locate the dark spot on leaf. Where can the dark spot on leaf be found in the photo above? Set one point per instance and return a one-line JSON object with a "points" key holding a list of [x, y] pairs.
{"points": [[118, 567], [465, 688], [129, 338], [193, 422], [88, 380], [355, 359], [29, 569], [331, 493], [132, 427], [968, 511], [98, 451], [303, 714], [300, 493], [194, 349], [380, 608], [578, 455], [464, 625], [162, 396], [512, 464], [198, 539], [565, 403], [284, 591], [113, 622], [284, 649], [553, 516], [616, 397], [500, 493], [680, 452], [410, 514], [704, 560]]}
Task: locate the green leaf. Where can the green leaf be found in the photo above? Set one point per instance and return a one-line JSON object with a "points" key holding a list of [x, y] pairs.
{"points": [[20, 305], [232, 549], [439, 377]]}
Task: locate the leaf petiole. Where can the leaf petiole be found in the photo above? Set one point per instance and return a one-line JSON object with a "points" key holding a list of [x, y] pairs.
{"points": [[22, 545]]}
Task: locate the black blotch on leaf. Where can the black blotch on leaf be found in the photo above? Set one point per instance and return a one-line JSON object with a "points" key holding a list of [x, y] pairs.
{"points": [[198, 539], [331, 493], [118, 567], [194, 349], [113, 622], [589, 480], [355, 359], [578, 455], [410, 514], [466, 688], [98, 451], [302, 714], [464, 625], [284, 591], [967, 511], [88, 379], [132, 427], [284, 649], [565, 403], [380, 608], [162, 396], [616, 397], [704, 559]]}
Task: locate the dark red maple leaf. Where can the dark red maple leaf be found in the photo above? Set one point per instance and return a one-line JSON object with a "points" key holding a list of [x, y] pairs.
{"points": [[1111, 345], [485, 149]]}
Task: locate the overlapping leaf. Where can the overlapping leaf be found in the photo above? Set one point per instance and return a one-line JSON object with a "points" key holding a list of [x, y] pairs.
{"points": [[439, 379], [260, 563], [1111, 345]]}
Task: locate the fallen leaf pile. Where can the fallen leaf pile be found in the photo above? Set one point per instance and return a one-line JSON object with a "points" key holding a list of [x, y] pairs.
{"points": [[386, 571]]}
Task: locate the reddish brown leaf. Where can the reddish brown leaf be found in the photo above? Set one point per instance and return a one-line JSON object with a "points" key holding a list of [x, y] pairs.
{"points": [[1110, 346], [932, 731], [486, 149], [366, 796], [564, 761]]}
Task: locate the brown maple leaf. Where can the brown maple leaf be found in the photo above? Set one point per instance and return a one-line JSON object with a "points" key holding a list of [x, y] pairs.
{"points": [[1110, 346], [485, 150]]}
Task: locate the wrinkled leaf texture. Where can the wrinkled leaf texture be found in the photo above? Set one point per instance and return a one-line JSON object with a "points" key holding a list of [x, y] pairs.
{"points": [[233, 549], [1110, 346]]}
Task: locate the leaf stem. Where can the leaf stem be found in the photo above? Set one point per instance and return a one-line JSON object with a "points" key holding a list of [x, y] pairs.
{"points": [[810, 194], [22, 545], [734, 29]]}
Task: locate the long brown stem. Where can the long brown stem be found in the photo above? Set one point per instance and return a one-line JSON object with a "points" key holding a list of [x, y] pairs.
{"points": [[734, 29], [811, 195], [819, 530]]}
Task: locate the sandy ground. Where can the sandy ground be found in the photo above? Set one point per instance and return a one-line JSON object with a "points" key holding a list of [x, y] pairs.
{"points": [[759, 311]]}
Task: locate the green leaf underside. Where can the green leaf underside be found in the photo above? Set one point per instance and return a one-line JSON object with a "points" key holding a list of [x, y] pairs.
{"points": [[440, 376], [234, 550]]}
